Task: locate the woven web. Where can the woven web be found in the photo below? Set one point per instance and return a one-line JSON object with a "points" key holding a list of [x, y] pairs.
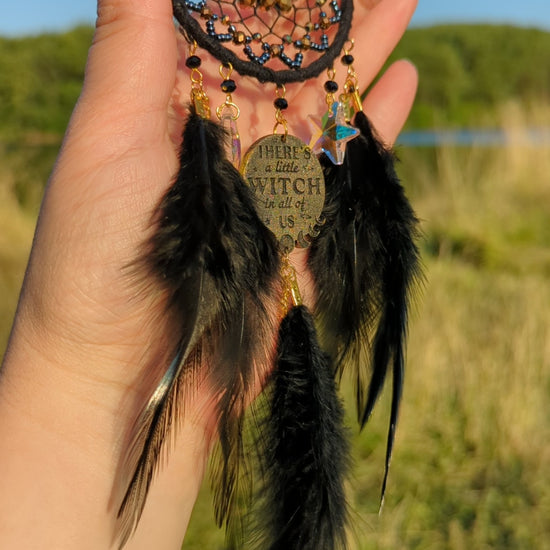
{"points": [[285, 33]]}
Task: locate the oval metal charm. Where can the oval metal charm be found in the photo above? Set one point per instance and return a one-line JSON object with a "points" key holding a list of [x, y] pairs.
{"points": [[287, 180]]}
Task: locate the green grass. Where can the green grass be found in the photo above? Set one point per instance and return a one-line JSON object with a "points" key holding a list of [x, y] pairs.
{"points": [[465, 70], [472, 454]]}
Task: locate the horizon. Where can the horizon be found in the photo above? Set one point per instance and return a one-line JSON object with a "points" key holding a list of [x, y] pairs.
{"points": [[413, 25], [66, 14]]}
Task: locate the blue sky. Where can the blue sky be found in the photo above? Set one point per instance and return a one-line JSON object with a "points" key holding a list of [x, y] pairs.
{"points": [[34, 16], [534, 13]]}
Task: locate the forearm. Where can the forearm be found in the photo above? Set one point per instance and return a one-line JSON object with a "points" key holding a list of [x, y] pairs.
{"points": [[57, 461], [62, 445]]}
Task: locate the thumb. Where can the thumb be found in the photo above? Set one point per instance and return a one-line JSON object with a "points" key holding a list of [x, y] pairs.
{"points": [[132, 62]]}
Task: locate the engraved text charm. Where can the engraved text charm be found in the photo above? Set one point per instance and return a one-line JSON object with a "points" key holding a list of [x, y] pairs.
{"points": [[288, 183]]}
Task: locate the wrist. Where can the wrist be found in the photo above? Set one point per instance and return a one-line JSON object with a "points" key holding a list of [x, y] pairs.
{"points": [[64, 440], [56, 466]]}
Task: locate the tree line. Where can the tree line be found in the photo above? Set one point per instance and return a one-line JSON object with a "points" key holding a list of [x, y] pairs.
{"points": [[468, 70], [465, 71]]}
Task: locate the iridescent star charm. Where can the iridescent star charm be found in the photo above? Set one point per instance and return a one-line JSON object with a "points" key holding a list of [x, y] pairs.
{"points": [[332, 135]]}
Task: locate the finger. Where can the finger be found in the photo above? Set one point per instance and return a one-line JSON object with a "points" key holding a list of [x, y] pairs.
{"points": [[369, 4], [132, 61], [376, 33], [389, 102]]}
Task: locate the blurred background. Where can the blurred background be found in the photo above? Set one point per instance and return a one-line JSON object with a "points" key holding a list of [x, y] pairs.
{"points": [[471, 468]]}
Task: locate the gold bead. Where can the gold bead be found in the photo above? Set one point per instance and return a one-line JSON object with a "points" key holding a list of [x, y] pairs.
{"points": [[239, 37], [324, 22], [284, 5], [206, 12]]}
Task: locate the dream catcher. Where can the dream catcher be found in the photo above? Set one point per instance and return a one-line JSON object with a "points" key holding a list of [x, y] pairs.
{"points": [[225, 231]]}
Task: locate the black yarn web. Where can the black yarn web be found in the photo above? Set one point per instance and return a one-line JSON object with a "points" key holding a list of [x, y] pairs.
{"points": [[278, 27], [260, 16], [269, 43]]}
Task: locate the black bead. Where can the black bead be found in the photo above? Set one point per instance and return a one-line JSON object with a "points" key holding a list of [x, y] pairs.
{"points": [[193, 62], [281, 103], [347, 59], [228, 86], [331, 86]]}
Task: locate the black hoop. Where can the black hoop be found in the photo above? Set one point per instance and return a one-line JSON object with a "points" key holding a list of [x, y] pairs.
{"points": [[193, 31]]}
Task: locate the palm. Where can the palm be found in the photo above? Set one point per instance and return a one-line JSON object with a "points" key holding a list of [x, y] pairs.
{"points": [[90, 338], [126, 155]]}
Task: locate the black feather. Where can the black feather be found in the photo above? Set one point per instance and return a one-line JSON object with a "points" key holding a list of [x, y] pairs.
{"points": [[217, 264], [365, 263], [306, 449]]}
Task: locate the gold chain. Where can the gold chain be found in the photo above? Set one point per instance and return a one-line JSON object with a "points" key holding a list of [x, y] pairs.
{"points": [[199, 98], [291, 291], [351, 96], [279, 117]]}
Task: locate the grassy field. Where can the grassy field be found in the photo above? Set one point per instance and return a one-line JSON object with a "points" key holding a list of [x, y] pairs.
{"points": [[472, 457]]}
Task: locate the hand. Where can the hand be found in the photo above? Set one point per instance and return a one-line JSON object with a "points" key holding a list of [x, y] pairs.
{"points": [[83, 354]]}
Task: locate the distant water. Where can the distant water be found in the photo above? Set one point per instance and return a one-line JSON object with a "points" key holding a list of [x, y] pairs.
{"points": [[533, 137]]}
